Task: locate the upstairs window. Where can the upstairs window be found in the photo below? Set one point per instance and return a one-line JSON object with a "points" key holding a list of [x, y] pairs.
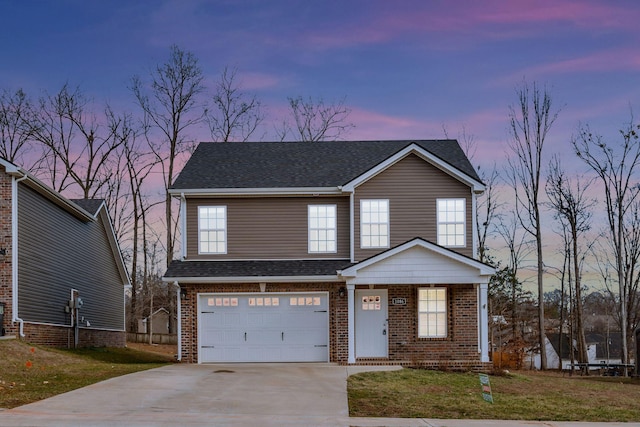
{"points": [[374, 223], [212, 229], [432, 312], [451, 222], [322, 228]]}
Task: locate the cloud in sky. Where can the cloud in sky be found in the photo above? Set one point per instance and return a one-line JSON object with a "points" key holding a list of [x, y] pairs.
{"points": [[422, 63]]}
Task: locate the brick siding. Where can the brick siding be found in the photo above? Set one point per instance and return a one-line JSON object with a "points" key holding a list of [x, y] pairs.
{"points": [[62, 336], [459, 351], [5, 260]]}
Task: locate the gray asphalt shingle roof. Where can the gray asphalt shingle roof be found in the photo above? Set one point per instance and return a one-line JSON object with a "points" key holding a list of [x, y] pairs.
{"points": [[200, 269], [299, 164], [89, 205]]}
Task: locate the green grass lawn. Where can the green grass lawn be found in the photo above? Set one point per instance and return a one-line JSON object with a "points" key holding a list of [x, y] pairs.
{"points": [[416, 393], [30, 373]]}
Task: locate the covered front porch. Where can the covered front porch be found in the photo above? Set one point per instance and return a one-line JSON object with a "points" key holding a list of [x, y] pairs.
{"points": [[418, 304]]}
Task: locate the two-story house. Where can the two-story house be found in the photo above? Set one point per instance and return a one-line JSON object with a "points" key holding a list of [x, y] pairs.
{"points": [[62, 277], [346, 252]]}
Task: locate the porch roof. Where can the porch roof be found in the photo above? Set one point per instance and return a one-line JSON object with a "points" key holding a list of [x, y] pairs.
{"points": [[254, 270]]}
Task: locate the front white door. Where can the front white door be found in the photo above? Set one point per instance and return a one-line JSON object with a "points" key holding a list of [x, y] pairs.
{"points": [[371, 323]]}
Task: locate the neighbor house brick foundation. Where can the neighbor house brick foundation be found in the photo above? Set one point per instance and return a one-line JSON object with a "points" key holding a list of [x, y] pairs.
{"points": [[62, 336]]}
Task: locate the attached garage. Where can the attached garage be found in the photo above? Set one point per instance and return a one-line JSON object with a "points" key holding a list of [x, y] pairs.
{"points": [[263, 327]]}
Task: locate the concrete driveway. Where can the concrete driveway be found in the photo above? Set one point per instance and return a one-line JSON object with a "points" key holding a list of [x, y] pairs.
{"points": [[219, 395]]}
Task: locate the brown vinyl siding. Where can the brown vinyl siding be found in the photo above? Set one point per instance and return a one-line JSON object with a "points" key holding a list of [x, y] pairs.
{"points": [[58, 252], [412, 187], [268, 227]]}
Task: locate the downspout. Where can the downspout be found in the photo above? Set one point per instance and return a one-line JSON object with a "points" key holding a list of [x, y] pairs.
{"points": [[351, 229], [183, 227], [483, 322], [474, 226], [14, 252], [179, 314]]}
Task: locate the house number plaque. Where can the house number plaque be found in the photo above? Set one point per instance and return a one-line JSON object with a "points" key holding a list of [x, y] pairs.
{"points": [[399, 301]]}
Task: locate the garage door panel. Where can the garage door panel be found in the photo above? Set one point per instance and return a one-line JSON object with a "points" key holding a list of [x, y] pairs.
{"points": [[264, 328]]}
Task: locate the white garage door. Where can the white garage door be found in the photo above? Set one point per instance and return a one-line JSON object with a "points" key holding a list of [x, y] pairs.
{"points": [[263, 327]]}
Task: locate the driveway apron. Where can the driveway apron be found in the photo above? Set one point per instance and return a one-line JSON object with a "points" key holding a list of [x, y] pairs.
{"points": [[229, 394]]}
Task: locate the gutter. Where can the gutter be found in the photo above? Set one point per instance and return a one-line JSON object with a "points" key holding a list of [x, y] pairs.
{"points": [[179, 315], [14, 252]]}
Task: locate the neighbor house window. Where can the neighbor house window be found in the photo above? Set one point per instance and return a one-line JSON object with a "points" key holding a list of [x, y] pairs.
{"points": [[451, 222], [212, 229], [322, 228], [432, 312], [374, 223]]}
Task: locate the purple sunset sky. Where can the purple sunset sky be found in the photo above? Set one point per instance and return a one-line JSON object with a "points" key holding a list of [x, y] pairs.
{"points": [[406, 68]]}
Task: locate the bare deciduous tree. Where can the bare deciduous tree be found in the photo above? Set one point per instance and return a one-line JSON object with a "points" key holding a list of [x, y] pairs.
{"points": [[316, 121], [16, 117], [530, 122], [572, 207], [518, 246], [487, 204], [171, 106], [130, 204], [79, 150], [615, 166], [235, 115]]}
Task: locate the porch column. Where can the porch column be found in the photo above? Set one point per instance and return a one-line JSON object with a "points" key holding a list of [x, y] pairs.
{"points": [[483, 322], [351, 322]]}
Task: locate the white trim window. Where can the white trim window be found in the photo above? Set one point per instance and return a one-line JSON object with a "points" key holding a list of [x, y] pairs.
{"points": [[374, 223], [432, 312], [212, 229], [451, 222], [322, 229]]}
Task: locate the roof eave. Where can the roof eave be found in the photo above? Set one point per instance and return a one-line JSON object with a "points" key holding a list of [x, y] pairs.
{"points": [[44, 190], [280, 191], [254, 279]]}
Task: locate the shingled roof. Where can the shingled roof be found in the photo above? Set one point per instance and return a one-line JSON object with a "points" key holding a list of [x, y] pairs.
{"points": [[90, 205], [203, 269], [300, 164]]}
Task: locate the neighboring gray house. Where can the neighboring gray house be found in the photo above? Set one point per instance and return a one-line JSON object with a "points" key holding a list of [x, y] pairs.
{"points": [[601, 349], [54, 251], [347, 252]]}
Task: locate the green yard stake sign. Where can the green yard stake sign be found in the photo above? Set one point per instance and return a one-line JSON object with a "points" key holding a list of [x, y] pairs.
{"points": [[486, 388]]}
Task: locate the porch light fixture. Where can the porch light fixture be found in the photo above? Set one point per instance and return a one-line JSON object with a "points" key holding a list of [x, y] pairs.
{"points": [[183, 293], [341, 292]]}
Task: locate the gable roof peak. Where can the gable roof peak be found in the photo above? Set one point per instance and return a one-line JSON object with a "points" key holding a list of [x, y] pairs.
{"points": [[328, 164]]}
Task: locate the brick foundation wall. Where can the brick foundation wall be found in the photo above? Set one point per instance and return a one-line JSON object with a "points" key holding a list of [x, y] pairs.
{"points": [[5, 260], [62, 336]]}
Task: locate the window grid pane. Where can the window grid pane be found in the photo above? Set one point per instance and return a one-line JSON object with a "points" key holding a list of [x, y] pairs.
{"points": [[374, 223], [322, 228], [432, 313], [451, 222], [212, 236]]}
